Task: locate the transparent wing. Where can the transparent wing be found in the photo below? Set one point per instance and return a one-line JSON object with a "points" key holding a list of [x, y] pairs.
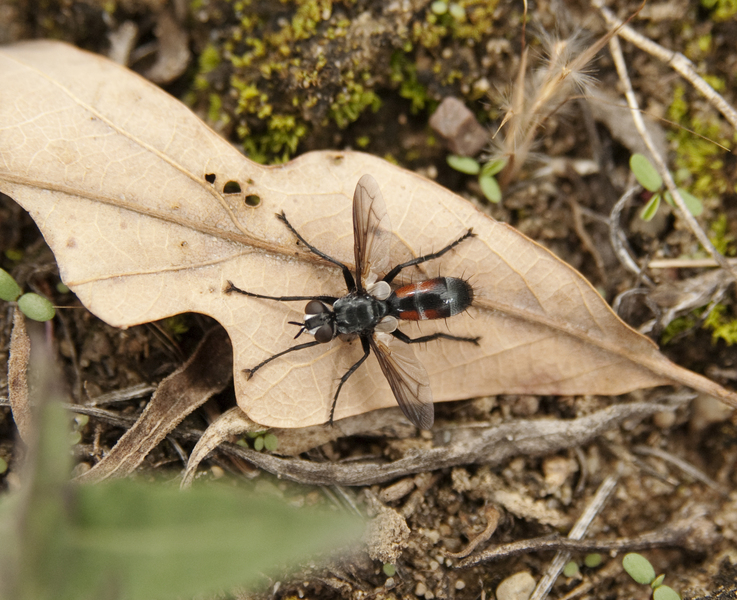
{"points": [[371, 231], [407, 377]]}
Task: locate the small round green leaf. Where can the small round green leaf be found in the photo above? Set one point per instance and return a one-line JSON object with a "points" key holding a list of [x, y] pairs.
{"points": [[439, 7], [494, 166], [457, 11], [490, 188], [389, 569], [571, 569], [36, 307], [3, 465], [692, 203], [9, 289], [258, 444], [592, 560], [666, 593], [271, 442], [658, 581], [464, 164], [645, 173], [650, 208], [638, 567]]}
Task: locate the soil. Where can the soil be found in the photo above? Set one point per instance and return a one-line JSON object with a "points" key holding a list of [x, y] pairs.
{"points": [[422, 519]]}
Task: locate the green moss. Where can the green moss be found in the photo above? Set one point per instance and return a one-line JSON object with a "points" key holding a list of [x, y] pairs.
{"points": [[350, 103], [722, 237], [278, 143], [723, 326], [699, 168], [677, 326], [209, 59], [176, 325], [215, 112], [722, 10], [479, 21], [404, 73]]}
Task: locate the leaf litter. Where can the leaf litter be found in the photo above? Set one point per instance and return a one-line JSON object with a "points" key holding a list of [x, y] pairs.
{"points": [[266, 459], [111, 167]]}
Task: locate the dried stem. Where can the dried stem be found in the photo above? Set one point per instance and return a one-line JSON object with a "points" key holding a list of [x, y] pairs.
{"points": [[683, 211]]}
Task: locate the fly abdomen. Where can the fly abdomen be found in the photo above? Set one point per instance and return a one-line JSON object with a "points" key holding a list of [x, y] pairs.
{"points": [[437, 298]]}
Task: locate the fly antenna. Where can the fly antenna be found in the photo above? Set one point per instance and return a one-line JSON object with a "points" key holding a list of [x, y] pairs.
{"points": [[301, 326]]}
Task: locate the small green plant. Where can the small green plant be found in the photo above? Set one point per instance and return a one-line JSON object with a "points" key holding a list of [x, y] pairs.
{"points": [[640, 569], [487, 173], [592, 560], [263, 440], [32, 305], [649, 178]]}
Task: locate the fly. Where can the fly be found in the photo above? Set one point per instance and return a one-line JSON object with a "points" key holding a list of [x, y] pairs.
{"points": [[371, 310]]}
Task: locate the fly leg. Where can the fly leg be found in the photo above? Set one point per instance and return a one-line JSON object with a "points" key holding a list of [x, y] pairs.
{"points": [[348, 373], [249, 372], [347, 275], [403, 337], [421, 259], [232, 288]]}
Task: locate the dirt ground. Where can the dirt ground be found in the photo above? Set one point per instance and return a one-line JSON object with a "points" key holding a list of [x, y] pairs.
{"points": [[673, 472]]}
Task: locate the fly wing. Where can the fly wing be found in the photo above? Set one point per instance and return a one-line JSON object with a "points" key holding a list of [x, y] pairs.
{"points": [[371, 231], [408, 379]]}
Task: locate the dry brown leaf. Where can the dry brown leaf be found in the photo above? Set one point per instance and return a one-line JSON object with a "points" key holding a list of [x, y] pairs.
{"points": [[115, 172], [205, 374]]}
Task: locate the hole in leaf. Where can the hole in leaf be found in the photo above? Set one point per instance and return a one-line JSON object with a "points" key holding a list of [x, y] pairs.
{"points": [[253, 200], [210, 178], [232, 187]]}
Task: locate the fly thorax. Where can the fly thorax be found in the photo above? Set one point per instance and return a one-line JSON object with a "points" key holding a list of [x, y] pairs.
{"points": [[356, 313]]}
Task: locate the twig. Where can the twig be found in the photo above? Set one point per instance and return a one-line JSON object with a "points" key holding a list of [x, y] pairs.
{"points": [[683, 211], [684, 466], [619, 241], [577, 532], [676, 60], [686, 263]]}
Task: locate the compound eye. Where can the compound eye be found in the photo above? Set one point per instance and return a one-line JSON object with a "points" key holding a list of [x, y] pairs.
{"points": [[324, 334], [315, 307]]}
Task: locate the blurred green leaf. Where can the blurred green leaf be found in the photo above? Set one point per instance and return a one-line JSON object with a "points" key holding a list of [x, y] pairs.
{"points": [[494, 166], [592, 560], [271, 442], [36, 307], [666, 593], [490, 188], [638, 567], [645, 173], [693, 204], [464, 164], [658, 581], [571, 569], [650, 208], [9, 289], [131, 541]]}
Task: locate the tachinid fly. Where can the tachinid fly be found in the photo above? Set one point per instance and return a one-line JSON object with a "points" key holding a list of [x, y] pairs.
{"points": [[371, 310]]}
